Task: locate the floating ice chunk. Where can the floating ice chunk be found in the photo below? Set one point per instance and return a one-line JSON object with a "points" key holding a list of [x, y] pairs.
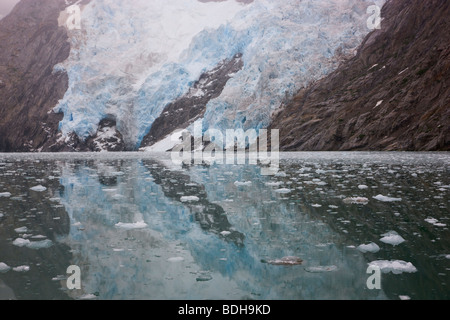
{"points": [[59, 278], [39, 236], [1, 215], [447, 256], [4, 267], [21, 269], [175, 259], [382, 198], [356, 200], [88, 297], [392, 238], [379, 103], [316, 205], [321, 269], [204, 276], [371, 247], [281, 174], [435, 222], [333, 206], [19, 242], [77, 224], [241, 184], [21, 230], [394, 266], [225, 233], [283, 190], [285, 261], [5, 195], [404, 297], [189, 199], [351, 247], [130, 226], [274, 184], [362, 187], [36, 245], [38, 188]]}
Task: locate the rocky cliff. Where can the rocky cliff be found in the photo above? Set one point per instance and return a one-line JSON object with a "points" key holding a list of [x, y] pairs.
{"points": [[393, 95], [31, 43]]}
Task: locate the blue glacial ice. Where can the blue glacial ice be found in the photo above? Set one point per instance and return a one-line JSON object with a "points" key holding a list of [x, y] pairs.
{"points": [[131, 59]]}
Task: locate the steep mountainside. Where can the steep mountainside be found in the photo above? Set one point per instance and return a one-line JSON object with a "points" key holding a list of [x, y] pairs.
{"points": [[31, 43], [393, 95]]}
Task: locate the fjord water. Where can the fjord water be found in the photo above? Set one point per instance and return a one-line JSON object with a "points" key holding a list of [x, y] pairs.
{"points": [[140, 228]]}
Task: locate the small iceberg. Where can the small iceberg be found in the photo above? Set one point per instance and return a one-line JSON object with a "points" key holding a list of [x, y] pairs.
{"points": [[204, 276], [382, 198], [189, 199], [88, 297], [392, 238], [175, 259], [4, 267], [435, 222], [321, 269], [20, 242], [394, 266], [21, 269], [274, 184], [5, 195], [131, 226], [38, 188], [283, 190], [356, 200], [21, 230], [36, 245], [285, 261], [242, 184], [371, 247]]}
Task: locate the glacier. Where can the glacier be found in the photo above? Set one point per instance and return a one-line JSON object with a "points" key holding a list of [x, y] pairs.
{"points": [[131, 58]]}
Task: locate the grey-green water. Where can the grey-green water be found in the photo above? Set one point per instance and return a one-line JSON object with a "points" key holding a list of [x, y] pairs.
{"points": [[123, 219]]}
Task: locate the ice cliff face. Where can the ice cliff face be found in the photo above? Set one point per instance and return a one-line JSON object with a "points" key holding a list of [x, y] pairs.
{"points": [[132, 58]]}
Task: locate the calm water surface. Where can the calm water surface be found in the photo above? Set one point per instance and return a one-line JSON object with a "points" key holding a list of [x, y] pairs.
{"points": [[140, 228]]}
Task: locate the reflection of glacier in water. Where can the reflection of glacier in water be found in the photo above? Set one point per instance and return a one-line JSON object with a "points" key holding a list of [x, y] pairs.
{"points": [[141, 229], [222, 236]]}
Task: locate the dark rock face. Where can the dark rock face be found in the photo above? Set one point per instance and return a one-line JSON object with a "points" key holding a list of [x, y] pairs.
{"points": [[31, 44], [107, 138], [192, 106], [393, 95]]}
